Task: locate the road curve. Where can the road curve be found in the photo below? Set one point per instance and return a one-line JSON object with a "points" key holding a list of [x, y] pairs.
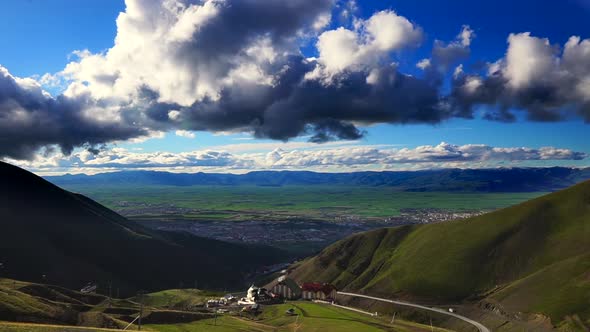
{"points": [[478, 325]]}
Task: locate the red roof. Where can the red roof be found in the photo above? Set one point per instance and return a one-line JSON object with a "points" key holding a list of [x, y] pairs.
{"points": [[318, 287]]}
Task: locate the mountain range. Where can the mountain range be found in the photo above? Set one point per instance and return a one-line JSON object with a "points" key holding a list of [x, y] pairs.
{"points": [[481, 180]]}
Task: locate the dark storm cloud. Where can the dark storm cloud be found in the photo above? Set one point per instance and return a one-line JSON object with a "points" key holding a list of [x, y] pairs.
{"points": [[30, 119], [296, 106]]}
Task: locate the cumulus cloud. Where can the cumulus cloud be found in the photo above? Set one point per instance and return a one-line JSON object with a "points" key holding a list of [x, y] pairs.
{"points": [[237, 66], [442, 153], [535, 76], [342, 158], [185, 133], [445, 55], [371, 41], [227, 66]]}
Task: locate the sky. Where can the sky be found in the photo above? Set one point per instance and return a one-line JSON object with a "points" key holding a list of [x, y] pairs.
{"points": [[324, 85]]}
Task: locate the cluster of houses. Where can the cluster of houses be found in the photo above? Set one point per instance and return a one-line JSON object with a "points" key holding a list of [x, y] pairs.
{"points": [[228, 299], [281, 289], [285, 288]]}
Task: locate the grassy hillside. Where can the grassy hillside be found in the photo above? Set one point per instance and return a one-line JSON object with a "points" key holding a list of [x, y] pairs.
{"points": [[180, 299], [46, 308], [532, 257], [26, 302], [45, 304], [27, 327], [53, 236]]}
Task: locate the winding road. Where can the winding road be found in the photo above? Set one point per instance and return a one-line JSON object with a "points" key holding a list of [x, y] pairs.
{"points": [[478, 325]]}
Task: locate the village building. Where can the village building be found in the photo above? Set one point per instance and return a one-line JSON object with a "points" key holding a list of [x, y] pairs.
{"points": [[258, 295], [214, 303], [318, 291], [286, 288]]}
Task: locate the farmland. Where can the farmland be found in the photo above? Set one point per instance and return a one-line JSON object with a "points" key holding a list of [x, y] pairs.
{"points": [[326, 203], [300, 219]]}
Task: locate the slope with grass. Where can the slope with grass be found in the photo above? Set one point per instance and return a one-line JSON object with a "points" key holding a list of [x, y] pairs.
{"points": [[46, 308], [53, 236], [26, 302], [533, 257], [27, 327], [178, 298]]}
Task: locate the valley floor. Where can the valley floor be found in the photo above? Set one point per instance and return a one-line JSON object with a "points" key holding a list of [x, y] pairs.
{"points": [[299, 219]]}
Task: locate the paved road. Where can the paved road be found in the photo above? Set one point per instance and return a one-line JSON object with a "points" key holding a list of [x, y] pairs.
{"points": [[478, 325]]}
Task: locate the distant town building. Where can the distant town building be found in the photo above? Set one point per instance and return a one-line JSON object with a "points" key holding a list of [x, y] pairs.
{"points": [[285, 287], [318, 291], [258, 295], [214, 303]]}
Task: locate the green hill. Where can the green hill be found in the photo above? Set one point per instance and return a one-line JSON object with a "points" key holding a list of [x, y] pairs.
{"points": [[533, 257], [26, 302], [53, 236]]}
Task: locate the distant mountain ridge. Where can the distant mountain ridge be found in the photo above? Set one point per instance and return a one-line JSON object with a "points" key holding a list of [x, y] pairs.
{"points": [[51, 235], [482, 180]]}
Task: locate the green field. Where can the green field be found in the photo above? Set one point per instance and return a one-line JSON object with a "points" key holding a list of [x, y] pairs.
{"points": [[317, 202], [310, 317], [178, 298]]}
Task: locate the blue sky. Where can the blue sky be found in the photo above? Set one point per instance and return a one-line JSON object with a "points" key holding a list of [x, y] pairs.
{"points": [[38, 37]]}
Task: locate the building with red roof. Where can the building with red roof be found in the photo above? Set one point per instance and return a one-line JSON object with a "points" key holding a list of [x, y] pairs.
{"points": [[318, 291]]}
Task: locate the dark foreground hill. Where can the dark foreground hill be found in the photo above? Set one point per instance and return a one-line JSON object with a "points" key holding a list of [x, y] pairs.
{"points": [[50, 235], [482, 180], [531, 258]]}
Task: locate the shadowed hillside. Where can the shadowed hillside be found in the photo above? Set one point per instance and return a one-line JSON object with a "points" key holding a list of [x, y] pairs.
{"points": [[51, 235], [533, 257]]}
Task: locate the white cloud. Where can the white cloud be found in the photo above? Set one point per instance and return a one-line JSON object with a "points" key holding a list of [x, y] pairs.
{"points": [[423, 64], [371, 41], [185, 133], [152, 134], [466, 35], [174, 115], [472, 84], [322, 21], [528, 60], [341, 158]]}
